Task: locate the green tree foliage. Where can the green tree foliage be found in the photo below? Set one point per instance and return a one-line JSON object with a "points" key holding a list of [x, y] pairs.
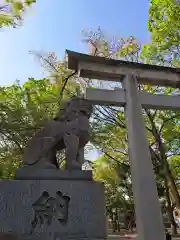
{"points": [[24, 110], [11, 12], [26, 107], [164, 26], [174, 162], [57, 71], [117, 182]]}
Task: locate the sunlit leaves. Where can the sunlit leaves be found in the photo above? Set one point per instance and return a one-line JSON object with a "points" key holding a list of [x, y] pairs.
{"points": [[11, 12], [24, 109], [164, 27], [58, 72], [174, 162], [116, 185]]}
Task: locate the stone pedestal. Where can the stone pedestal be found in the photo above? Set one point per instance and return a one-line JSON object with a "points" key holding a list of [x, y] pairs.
{"points": [[33, 173], [53, 209]]}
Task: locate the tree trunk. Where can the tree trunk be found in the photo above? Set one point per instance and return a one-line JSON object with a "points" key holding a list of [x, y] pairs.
{"points": [[117, 220], [114, 222], [169, 208], [171, 185], [163, 159], [126, 222]]}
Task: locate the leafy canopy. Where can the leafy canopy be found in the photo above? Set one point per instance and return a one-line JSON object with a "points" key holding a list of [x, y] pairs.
{"points": [[11, 12]]}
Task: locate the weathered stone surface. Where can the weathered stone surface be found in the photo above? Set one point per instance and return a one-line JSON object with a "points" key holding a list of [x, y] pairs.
{"points": [[69, 131], [33, 173], [84, 217], [8, 236]]}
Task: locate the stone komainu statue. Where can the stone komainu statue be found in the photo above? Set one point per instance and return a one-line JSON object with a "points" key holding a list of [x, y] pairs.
{"points": [[69, 131]]}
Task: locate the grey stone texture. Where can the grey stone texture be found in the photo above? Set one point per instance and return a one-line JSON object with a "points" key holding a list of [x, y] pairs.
{"points": [[33, 173], [149, 219], [86, 212], [69, 130]]}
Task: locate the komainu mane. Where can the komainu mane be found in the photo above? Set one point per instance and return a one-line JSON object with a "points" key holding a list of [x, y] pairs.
{"points": [[69, 131]]}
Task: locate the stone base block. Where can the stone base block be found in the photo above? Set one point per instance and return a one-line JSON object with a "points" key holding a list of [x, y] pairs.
{"points": [[32, 173], [53, 209]]}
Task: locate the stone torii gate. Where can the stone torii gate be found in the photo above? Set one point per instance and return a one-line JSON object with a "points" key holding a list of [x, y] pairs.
{"points": [[148, 213]]}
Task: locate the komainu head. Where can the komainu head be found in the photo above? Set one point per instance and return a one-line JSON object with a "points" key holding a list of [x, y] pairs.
{"points": [[76, 106]]}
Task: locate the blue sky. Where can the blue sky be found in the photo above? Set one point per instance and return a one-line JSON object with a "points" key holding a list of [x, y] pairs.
{"points": [[56, 25]]}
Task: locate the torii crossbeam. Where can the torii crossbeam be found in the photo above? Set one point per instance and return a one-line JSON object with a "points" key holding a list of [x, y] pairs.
{"points": [[148, 213]]}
